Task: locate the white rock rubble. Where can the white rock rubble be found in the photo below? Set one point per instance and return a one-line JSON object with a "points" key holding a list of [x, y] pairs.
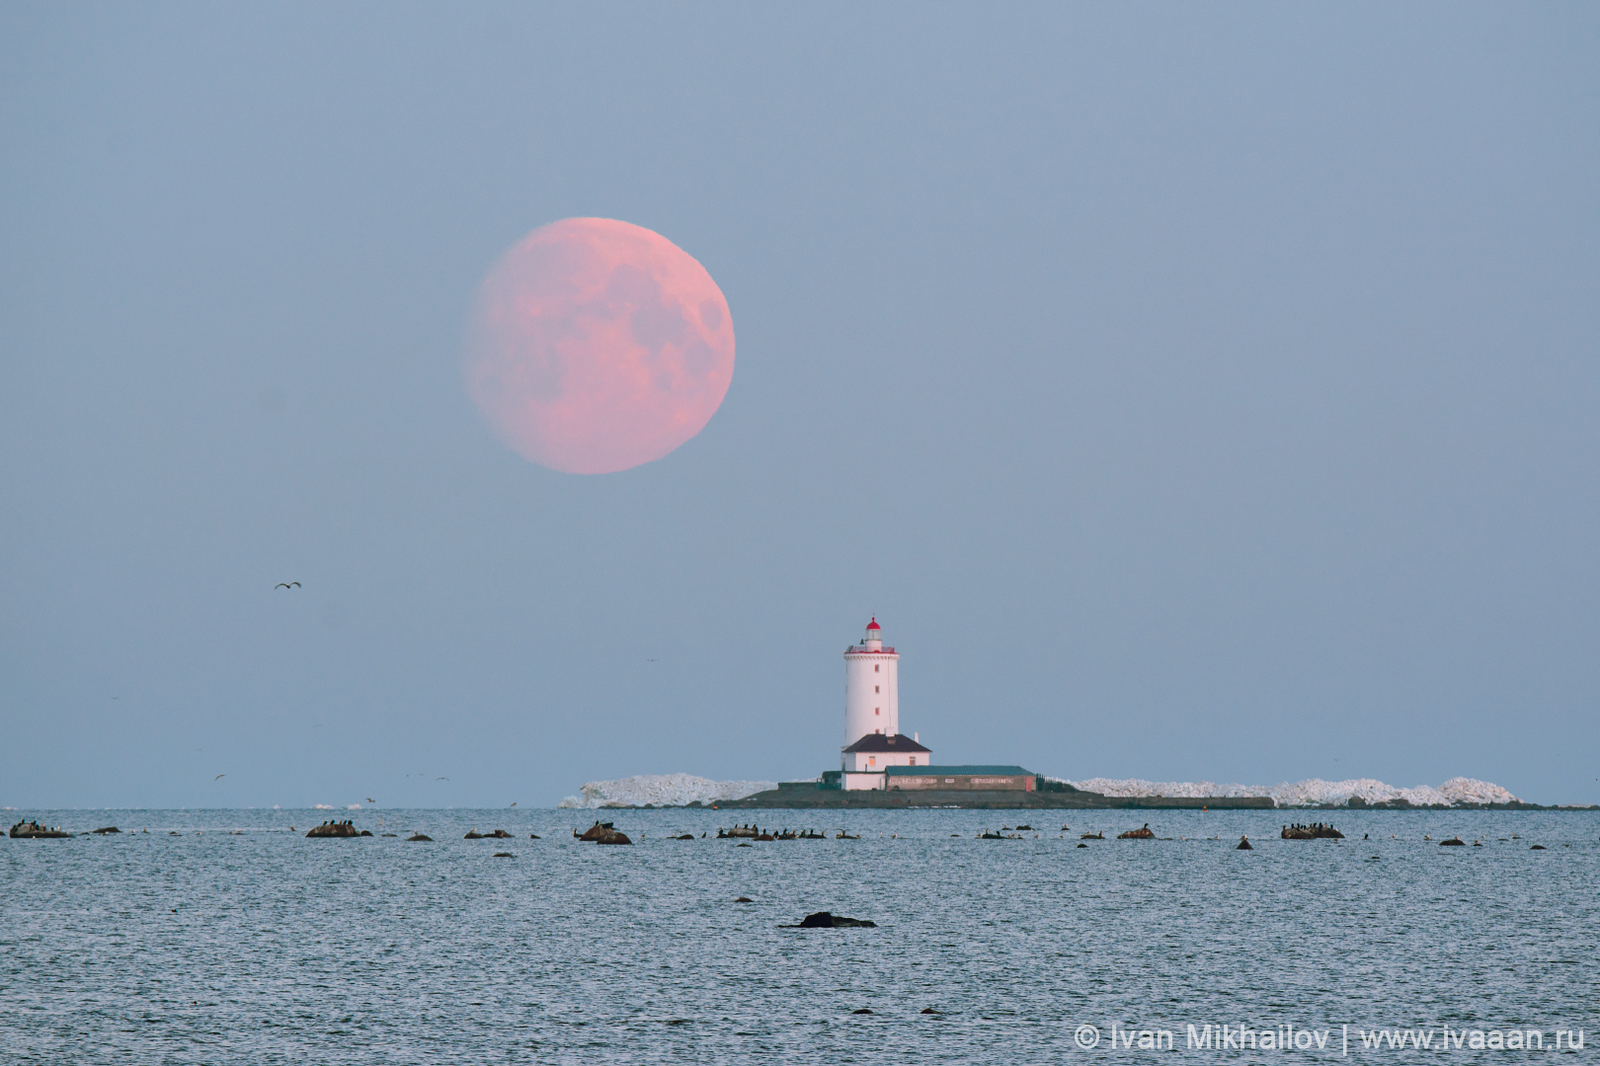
{"points": [[673, 790], [1309, 793]]}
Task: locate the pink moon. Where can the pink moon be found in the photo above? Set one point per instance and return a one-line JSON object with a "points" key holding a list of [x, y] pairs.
{"points": [[597, 345]]}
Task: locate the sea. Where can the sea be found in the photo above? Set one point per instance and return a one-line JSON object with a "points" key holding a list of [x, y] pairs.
{"points": [[227, 936]]}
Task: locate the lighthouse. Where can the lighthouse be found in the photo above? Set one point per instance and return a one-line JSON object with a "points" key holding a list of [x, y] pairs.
{"points": [[873, 741]]}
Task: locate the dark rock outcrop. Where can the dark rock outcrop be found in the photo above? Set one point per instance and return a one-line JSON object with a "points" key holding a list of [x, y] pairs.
{"points": [[1244, 845], [744, 899], [1142, 833], [504, 855], [334, 829], [829, 920], [1453, 842], [419, 836], [1314, 831], [35, 831], [103, 830]]}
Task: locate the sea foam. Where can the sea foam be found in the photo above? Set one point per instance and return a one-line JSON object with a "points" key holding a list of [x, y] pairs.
{"points": [[1309, 793], [673, 790]]}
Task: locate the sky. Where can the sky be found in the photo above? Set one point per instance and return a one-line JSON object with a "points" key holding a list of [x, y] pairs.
{"points": [[1193, 392]]}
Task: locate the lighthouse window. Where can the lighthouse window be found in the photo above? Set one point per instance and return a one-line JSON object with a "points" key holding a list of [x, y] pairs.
{"points": [[874, 667], [874, 710], [874, 688]]}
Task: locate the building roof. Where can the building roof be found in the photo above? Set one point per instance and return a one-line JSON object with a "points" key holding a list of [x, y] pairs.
{"points": [[872, 624], [958, 771], [878, 742]]}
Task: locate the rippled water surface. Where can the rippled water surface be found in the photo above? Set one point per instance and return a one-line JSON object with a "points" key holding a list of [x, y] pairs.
{"points": [[239, 941]]}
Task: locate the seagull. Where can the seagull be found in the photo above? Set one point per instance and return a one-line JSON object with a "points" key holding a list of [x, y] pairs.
{"points": [[513, 803], [287, 585], [371, 800], [441, 779], [219, 777]]}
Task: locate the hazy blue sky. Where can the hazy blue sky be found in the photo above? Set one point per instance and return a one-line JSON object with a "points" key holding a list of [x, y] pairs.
{"points": [[1194, 391]]}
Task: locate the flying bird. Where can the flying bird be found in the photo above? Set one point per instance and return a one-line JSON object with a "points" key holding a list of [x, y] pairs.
{"points": [[441, 779], [371, 800], [219, 777], [287, 585]]}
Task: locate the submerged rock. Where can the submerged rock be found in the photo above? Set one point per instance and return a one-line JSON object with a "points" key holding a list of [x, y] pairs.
{"points": [[1142, 833], [1453, 842], [744, 899], [829, 920], [105, 829], [419, 836]]}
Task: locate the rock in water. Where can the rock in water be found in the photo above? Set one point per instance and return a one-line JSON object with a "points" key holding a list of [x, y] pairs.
{"points": [[36, 831], [744, 899], [334, 829], [106, 829], [863, 1010], [1453, 842], [604, 833], [1143, 833], [829, 920], [420, 836], [1244, 845], [929, 1010]]}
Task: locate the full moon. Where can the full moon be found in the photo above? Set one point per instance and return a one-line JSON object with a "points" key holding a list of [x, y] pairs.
{"points": [[596, 345]]}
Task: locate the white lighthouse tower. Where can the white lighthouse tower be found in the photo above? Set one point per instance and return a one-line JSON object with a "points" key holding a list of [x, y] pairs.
{"points": [[871, 687], [873, 741]]}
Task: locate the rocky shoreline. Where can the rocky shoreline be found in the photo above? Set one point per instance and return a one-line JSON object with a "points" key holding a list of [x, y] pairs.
{"points": [[1075, 799]]}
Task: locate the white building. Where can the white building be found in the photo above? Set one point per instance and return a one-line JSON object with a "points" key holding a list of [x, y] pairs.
{"points": [[873, 741]]}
